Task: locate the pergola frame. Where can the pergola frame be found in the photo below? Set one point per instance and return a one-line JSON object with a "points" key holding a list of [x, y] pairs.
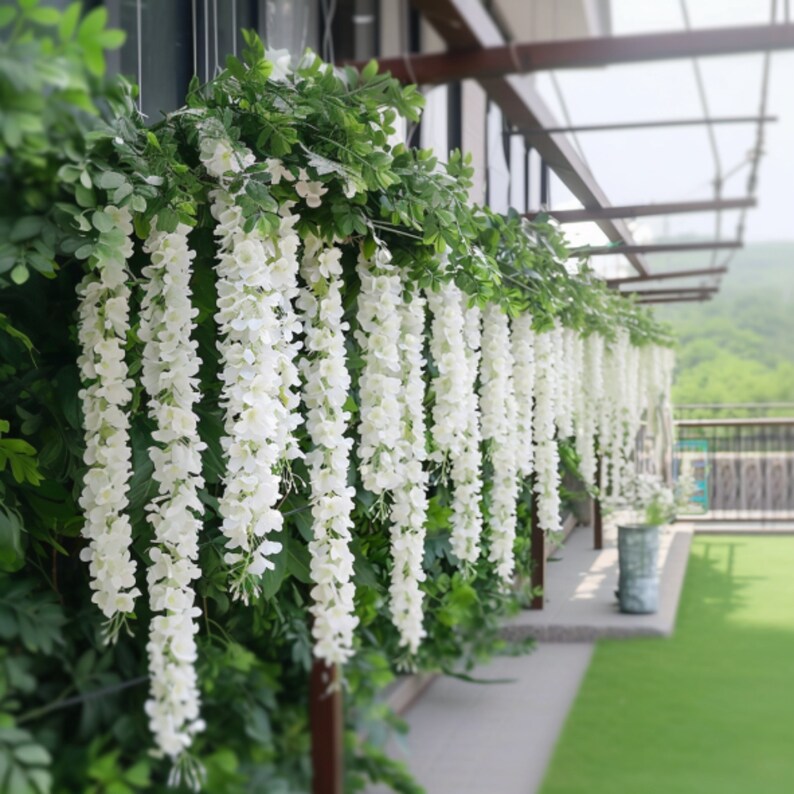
{"points": [[643, 210], [497, 59], [669, 274], [655, 248], [648, 125]]}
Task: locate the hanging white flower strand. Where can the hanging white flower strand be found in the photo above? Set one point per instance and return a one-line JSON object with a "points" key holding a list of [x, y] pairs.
{"points": [[256, 283], [103, 323], [466, 518], [592, 395], [378, 335], [169, 375], [524, 381], [409, 508], [447, 347], [325, 391], [547, 477], [454, 346], [498, 425]]}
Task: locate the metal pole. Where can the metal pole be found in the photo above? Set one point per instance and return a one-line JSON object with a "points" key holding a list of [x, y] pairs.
{"points": [[598, 518], [327, 729], [671, 291], [537, 552], [644, 125], [677, 299], [654, 248], [642, 210], [708, 271]]}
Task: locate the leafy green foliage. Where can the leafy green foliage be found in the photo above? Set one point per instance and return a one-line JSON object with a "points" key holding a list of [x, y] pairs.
{"points": [[71, 143]]}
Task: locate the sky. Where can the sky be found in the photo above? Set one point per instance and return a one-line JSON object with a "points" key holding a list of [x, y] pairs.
{"points": [[645, 166]]}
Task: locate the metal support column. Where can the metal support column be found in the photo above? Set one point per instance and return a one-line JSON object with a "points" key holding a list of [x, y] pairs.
{"points": [[327, 729], [537, 552]]}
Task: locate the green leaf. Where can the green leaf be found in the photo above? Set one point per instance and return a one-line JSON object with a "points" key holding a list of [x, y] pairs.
{"points": [[20, 274], [93, 23], [44, 16], [12, 552], [94, 58], [26, 227], [111, 39], [7, 15], [32, 755], [111, 179], [85, 197], [69, 21], [102, 222]]}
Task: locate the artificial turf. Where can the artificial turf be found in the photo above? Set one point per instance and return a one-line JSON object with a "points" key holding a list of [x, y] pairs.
{"points": [[709, 710]]}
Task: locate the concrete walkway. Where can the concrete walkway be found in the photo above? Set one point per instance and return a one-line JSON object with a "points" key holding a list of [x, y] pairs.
{"points": [[498, 738]]}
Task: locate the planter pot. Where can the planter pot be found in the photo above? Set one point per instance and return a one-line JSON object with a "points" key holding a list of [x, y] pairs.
{"points": [[638, 564]]}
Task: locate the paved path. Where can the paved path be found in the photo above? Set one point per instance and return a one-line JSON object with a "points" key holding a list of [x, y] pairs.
{"points": [[498, 738]]}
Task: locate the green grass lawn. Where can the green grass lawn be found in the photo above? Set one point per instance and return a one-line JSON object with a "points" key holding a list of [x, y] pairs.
{"points": [[707, 711]]}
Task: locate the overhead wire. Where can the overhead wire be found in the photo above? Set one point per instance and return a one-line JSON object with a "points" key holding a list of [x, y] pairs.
{"points": [[711, 132], [758, 149]]}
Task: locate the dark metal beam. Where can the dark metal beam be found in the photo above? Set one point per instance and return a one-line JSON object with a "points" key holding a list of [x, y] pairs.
{"points": [[467, 25], [642, 125], [655, 248], [498, 59], [671, 291], [327, 728], [707, 271], [677, 299], [641, 210]]}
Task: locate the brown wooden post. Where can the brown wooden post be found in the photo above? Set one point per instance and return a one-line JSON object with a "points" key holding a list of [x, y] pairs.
{"points": [[537, 553], [598, 526], [327, 729]]}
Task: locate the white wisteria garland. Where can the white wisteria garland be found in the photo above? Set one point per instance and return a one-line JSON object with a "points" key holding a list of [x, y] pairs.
{"points": [[256, 282], [378, 335], [498, 405], [409, 509], [547, 456], [170, 366], [103, 323], [448, 349], [466, 470], [325, 391], [524, 383]]}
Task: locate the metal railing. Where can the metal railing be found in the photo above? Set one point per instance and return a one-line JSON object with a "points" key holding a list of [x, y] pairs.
{"points": [[743, 467]]}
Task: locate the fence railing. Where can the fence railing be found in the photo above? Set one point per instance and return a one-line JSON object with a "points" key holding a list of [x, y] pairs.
{"points": [[743, 467]]}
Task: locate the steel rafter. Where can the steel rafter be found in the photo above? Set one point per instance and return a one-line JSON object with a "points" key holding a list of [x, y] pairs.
{"points": [[654, 248], [642, 210], [644, 125], [496, 59]]}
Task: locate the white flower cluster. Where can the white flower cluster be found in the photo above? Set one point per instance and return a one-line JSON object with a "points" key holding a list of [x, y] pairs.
{"points": [[380, 383], [592, 391], [613, 420], [103, 322], [524, 382], [256, 285], [326, 386], [169, 375], [447, 347], [547, 456], [409, 509], [499, 415], [567, 380], [466, 518]]}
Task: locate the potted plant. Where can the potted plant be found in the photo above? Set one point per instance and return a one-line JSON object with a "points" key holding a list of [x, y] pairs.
{"points": [[650, 504]]}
